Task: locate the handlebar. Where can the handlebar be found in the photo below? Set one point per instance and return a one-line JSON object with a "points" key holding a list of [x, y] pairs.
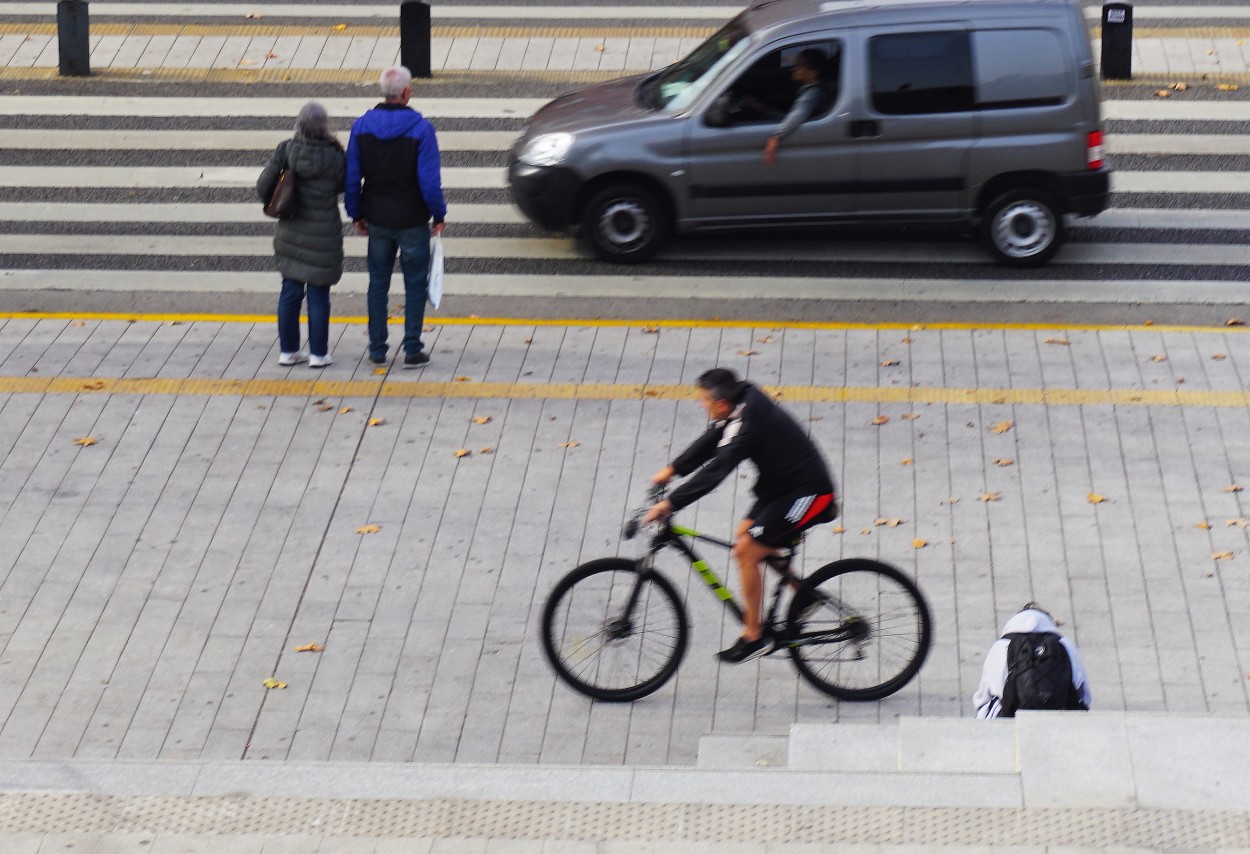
{"points": [[655, 494]]}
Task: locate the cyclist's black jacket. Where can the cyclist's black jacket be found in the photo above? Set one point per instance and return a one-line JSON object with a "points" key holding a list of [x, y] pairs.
{"points": [[761, 431]]}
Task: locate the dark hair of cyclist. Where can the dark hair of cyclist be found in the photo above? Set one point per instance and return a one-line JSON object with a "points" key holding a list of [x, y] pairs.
{"points": [[721, 383], [814, 59], [1033, 606]]}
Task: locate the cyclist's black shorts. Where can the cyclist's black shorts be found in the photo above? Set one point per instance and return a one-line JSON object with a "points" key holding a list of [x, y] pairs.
{"points": [[779, 523]]}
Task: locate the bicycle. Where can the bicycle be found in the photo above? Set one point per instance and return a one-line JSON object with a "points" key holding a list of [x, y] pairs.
{"points": [[616, 629]]}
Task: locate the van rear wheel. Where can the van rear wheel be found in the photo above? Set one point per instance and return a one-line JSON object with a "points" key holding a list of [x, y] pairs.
{"points": [[624, 222], [1023, 227]]}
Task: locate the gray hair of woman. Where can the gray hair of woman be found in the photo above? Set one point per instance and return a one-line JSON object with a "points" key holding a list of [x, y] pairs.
{"points": [[313, 122]]}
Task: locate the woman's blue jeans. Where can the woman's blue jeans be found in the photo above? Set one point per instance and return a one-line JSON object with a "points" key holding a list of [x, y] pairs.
{"points": [[413, 247], [289, 303]]}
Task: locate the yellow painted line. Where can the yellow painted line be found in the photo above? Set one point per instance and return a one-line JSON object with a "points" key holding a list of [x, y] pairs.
{"points": [[387, 387], [371, 31], [609, 323]]}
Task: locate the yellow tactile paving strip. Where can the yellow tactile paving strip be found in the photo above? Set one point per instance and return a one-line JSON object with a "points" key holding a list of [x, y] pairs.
{"points": [[470, 388]]}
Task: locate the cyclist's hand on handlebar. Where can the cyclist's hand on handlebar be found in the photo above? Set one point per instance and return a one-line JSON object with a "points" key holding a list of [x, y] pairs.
{"points": [[663, 476], [658, 512]]}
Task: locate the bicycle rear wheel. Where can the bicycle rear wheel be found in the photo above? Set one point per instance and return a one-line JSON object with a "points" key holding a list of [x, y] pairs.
{"points": [[865, 632], [598, 648]]}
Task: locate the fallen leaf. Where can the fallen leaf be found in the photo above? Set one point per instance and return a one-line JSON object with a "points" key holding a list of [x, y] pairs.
{"points": [[462, 452], [1002, 426], [954, 500], [599, 48], [1095, 498], [1149, 323], [1158, 358], [1180, 87], [881, 419], [1239, 523], [272, 683], [909, 416], [318, 402], [1209, 51], [816, 418], [325, 407], [839, 530], [483, 419], [571, 443], [246, 62], [340, 26], [376, 422], [93, 385], [1232, 488], [310, 647], [906, 461], [1227, 87], [271, 56], [919, 543], [889, 363], [463, 379], [1162, 93], [904, 340], [1221, 555], [767, 339], [892, 523], [377, 372], [79, 323], [1205, 526], [87, 441], [748, 352], [345, 410], [1003, 462], [427, 328], [989, 496], [1218, 357], [527, 341], [1234, 321], [252, 15], [1180, 380], [650, 329], [865, 531], [368, 529], [1061, 341], [487, 450]]}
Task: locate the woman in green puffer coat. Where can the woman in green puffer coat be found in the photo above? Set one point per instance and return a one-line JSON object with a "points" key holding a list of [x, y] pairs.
{"points": [[308, 247]]}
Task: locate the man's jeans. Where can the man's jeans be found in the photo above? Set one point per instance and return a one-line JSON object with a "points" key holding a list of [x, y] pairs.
{"points": [[413, 247], [289, 303]]}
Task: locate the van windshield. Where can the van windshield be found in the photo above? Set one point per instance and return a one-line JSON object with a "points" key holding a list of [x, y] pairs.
{"points": [[679, 84]]}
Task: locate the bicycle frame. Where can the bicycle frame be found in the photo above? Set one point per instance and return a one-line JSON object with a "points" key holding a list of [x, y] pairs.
{"points": [[671, 536]]}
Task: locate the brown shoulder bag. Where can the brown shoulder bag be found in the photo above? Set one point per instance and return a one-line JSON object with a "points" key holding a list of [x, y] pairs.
{"points": [[282, 202]]}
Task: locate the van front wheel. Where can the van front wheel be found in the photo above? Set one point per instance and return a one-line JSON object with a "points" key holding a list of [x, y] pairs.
{"points": [[624, 222], [1023, 228]]}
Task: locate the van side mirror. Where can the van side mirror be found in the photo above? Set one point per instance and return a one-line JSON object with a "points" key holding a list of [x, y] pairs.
{"points": [[718, 115]]}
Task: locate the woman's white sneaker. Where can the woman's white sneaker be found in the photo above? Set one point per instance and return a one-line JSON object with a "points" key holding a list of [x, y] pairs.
{"points": [[292, 358], [320, 361]]}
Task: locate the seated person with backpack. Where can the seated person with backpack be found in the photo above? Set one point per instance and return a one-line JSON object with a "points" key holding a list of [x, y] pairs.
{"points": [[1032, 666]]}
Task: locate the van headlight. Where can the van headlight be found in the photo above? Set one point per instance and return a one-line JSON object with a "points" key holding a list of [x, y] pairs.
{"points": [[547, 149]]}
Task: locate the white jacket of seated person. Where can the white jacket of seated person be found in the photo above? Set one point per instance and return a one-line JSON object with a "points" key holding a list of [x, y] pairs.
{"points": [[988, 699]]}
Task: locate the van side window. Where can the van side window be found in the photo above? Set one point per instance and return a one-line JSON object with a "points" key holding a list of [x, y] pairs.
{"points": [[918, 73], [765, 92], [1020, 68]]}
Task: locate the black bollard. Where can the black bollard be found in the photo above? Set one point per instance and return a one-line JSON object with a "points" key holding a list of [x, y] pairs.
{"points": [[414, 37], [1117, 41], [73, 38]]}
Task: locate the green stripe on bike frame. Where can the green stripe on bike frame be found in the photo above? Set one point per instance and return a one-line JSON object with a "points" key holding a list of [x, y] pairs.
{"points": [[705, 572], [682, 531]]}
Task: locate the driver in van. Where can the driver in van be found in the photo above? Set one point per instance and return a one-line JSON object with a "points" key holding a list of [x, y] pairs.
{"points": [[810, 71]]}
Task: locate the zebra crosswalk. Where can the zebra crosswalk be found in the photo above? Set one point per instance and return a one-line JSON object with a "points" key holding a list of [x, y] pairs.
{"points": [[157, 193]]}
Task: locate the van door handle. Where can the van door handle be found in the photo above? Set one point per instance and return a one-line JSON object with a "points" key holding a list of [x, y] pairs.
{"points": [[864, 129]]}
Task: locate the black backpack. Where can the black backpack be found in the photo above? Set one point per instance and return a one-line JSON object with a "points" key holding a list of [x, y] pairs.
{"points": [[1039, 674]]}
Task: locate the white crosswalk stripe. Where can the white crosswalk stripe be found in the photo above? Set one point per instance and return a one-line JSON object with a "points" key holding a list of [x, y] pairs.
{"points": [[1173, 235]]}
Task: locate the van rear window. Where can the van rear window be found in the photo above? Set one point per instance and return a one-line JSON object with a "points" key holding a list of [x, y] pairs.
{"points": [[1020, 68], [916, 73]]}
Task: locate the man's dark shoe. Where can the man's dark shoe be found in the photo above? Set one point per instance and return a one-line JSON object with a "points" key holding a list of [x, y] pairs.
{"points": [[745, 650], [376, 359], [416, 360]]}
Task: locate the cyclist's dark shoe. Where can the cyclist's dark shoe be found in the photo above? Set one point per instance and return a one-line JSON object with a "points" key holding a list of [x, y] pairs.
{"points": [[745, 650]]}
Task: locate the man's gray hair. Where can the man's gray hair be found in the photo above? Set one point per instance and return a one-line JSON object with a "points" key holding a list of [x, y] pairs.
{"points": [[313, 122], [394, 81]]}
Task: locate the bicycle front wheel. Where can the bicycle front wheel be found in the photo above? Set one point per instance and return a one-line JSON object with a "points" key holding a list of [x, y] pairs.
{"points": [[612, 632], [859, 629]]}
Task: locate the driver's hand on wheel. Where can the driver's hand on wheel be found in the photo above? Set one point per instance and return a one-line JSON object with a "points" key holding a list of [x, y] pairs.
{"points": [[663, 476], [658, 512]]}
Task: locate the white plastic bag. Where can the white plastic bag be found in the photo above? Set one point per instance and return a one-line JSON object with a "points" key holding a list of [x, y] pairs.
{"points": [[435, 287]]}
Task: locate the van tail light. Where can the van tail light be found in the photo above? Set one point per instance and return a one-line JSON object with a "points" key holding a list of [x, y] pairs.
{"points": [[1093, 150]]}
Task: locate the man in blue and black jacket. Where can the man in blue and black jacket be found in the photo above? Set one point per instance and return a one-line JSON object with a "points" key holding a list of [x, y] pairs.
{"points": [[394, 152]]}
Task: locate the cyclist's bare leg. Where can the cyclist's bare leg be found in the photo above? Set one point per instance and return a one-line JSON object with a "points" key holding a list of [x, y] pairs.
{"points": [[750, 554]]}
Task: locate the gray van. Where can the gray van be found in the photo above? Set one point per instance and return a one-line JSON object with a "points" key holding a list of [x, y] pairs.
{"points": [[930, 111]]}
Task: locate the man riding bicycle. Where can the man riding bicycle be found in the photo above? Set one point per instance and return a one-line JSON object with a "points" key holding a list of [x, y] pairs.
{"points": [[793, 492]]}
